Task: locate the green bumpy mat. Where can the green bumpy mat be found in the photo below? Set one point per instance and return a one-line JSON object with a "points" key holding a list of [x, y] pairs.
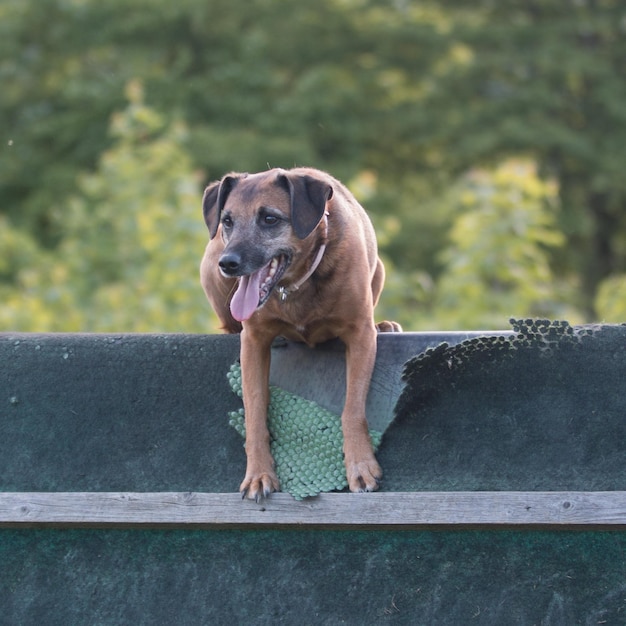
{"points": [[305, 439]]}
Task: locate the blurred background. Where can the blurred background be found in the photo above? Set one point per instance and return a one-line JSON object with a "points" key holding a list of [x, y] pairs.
{"points": [[486, 139]]}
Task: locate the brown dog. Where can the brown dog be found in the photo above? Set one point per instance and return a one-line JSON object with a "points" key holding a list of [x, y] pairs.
{"points": [[293, 254]]}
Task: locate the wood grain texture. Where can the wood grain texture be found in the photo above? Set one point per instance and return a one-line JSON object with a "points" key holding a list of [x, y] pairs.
{"points": [[568, 510]]}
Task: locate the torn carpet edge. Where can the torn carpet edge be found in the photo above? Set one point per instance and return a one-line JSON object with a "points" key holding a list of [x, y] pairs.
{"points": [[305, 439]]}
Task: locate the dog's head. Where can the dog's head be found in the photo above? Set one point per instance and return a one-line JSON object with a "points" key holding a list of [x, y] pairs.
{"points": [[264, 220]]}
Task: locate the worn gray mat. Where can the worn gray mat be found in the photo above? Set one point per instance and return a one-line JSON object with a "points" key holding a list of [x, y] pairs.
{"points": [[542, 409]]}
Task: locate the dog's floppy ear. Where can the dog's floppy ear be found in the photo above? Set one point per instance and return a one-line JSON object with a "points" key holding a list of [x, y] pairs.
{"points": [[214, 198], [209, 207], [309, 196]]}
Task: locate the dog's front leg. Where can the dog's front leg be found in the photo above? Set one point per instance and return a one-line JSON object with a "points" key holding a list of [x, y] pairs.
{"points": [[362, 469], [260, 479]]}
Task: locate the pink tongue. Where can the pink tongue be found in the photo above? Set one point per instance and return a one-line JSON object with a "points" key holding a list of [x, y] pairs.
{"points": [[246, 298]]}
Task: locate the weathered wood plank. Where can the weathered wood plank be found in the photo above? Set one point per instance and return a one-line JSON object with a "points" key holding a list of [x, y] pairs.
{"points": [[374, 510]]}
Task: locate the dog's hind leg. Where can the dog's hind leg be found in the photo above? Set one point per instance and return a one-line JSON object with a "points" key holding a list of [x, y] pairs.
{"points": [[388, 327], [377, 286], [378, 280]]}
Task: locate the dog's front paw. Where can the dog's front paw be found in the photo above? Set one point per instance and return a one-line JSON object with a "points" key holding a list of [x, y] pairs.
{"points": [[259, 485], [364, 475]]}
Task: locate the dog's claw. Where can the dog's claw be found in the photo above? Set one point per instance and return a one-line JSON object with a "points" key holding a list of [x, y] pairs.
{"points": [[259, 486], [364, 476]]}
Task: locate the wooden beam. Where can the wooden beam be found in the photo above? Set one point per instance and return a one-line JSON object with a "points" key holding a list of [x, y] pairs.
{"points": [[567, 510]]}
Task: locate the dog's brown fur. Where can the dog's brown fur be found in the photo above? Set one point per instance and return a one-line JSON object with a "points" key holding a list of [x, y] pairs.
{"points": [[280, 213]]}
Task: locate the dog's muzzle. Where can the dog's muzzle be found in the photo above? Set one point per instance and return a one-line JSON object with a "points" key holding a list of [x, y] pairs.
{"points": [[254, 288]]}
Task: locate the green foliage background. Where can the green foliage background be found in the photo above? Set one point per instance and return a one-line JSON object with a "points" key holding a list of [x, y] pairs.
{"points": [[487, 141]]}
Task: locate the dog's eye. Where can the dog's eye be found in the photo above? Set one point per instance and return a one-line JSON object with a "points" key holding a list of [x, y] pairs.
{"points": [[270, 220], [227, 221]]}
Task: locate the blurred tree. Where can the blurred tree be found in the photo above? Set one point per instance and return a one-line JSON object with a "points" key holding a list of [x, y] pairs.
{"points": [[496, 262], [257, 83], [415, 94], [133, 240], [611, 299], [543, 79]]}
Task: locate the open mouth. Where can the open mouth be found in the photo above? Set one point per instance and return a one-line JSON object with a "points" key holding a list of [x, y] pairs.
{"points": [[254, 289]]}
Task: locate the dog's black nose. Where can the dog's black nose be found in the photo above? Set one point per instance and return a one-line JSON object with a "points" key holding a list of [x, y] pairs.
{"points": [[230, 263]]}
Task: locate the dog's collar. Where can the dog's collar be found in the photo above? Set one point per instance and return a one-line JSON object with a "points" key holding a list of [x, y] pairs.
{"points": [[283, 292]]}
